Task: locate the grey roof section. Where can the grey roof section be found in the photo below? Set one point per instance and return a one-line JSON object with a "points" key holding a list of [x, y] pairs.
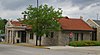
{"points": [[97, 21]]}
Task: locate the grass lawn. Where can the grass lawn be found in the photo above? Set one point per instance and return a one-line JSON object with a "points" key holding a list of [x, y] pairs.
{"points": [[29, 45], [3, 43]]}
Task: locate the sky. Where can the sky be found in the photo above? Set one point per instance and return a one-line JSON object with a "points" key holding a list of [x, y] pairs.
{"points": [[12, 9]]}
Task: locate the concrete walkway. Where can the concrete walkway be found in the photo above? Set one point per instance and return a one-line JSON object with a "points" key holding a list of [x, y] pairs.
{"points": [[59, 47], [70, 47]]}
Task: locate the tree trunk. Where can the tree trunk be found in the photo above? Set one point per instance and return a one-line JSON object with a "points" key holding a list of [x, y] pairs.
{"points": [[40, 41], [36, 40]]}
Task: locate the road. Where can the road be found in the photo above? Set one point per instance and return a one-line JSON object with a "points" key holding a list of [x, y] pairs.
{"points": [[19, 50]]}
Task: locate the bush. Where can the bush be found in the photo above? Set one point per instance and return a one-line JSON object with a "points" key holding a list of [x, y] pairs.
{"points": [[97, 43], [84, 43]]}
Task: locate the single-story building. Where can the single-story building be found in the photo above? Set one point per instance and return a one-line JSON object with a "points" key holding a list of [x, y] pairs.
{"points": [[72, 29]]}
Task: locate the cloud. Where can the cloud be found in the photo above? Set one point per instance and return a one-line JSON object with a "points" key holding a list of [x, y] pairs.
{"points": [[95, 4], [16, 4], [83, 3], [11, 9]]}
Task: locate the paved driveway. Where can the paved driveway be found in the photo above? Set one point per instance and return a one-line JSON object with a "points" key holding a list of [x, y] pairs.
{"points": [[19, 50]]}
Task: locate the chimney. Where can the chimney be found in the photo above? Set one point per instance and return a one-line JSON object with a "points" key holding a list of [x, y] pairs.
{"points": [[11, 20], [81, 17], [25, 16], [66, 17]]}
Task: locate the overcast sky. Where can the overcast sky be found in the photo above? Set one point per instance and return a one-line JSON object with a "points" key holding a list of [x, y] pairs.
{"points": [[12, 9]]}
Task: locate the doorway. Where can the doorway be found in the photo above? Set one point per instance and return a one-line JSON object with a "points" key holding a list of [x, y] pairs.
{"points": [[94, 35], [23, 36]]}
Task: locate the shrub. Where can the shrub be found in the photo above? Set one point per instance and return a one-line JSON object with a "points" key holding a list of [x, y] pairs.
{"points": [[84, 43], [97, 43]]}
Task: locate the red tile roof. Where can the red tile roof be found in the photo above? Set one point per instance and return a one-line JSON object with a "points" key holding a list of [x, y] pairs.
{"points": [[66, 24], [16, 23], [29, 27], [74, 24]]}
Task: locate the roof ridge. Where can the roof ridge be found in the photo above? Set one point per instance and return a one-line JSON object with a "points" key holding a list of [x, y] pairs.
{"points": [[74, 18]]}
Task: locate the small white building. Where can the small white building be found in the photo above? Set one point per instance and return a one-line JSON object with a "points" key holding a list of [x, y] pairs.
{"points": [[17, 32]]}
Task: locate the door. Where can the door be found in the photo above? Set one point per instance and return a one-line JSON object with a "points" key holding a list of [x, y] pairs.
{"points": [[76, 36], [23, 36], [94, 35]]}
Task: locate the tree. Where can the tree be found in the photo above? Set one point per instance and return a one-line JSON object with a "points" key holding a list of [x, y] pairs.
{"points": [[2, 25], [42, 19]]}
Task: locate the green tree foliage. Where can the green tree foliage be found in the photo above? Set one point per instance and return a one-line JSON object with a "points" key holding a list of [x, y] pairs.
{"points": [[2, 25], [43, 19]]}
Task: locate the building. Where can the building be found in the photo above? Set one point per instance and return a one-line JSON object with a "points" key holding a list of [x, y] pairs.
{"points": [[17, 32], [72, 29], [95, 24]]}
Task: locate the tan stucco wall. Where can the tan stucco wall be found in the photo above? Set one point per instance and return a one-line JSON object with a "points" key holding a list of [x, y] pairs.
{"points": [[87, 36], [32, 41], [62, 38], [98, 33], [94, 25], [50, 41]]}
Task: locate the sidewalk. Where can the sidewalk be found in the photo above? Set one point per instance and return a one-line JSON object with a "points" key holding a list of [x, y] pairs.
{"points": [[89, 48], [71, 47], [59, 47]]}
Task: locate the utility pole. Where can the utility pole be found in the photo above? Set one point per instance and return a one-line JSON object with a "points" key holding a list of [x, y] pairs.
{"points": [[37, 37], [37, 3], [97, 16]]}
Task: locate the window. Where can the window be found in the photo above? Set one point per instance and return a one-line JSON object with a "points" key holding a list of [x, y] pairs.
{"points": [[81, 36], [76, 37], [19, 34], [47, 35], [52, 34], [94, 36], [31, 35]]}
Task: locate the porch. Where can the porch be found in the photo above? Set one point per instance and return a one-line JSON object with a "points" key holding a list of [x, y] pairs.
{"points": [[14, 35]]}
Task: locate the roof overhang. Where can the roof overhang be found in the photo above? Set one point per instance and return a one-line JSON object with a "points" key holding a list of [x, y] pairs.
{"points": [[80, 30]]}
